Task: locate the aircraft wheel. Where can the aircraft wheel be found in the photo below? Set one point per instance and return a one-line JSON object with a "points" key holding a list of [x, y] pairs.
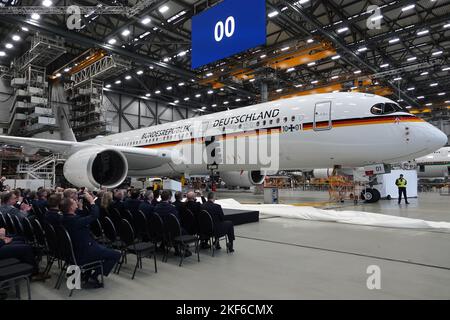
{"points": [[371, 195]]}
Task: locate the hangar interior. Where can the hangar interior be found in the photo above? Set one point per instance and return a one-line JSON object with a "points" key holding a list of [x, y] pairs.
{"points": [[127, 65]]}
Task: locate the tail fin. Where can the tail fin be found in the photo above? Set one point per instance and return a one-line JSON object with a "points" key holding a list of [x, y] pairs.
{"points": [[61, 109]]}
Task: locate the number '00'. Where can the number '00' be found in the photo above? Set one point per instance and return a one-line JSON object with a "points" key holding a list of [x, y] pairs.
{"points": [[226, 29]]}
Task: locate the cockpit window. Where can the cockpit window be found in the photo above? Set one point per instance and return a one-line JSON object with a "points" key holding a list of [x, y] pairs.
{"points": [[386, 108]]}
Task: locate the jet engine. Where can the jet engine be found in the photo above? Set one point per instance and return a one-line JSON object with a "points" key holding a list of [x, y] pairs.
{"points": [[243, 179], [96, 167]]}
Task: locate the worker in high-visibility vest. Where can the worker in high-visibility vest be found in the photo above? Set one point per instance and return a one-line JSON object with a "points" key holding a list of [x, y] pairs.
{"points": [[401, 184]]}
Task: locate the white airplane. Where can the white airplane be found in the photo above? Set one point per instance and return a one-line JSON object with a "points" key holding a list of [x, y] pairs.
{"points": [[316, 131], [434, 165]]}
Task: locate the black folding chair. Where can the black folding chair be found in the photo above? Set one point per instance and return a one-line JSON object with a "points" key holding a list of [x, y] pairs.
{"points": [[115, 216], [39, 233], [206, 230], [141, 249], [10, 229], [97, 231], [52, 247], [28, 231], [156, 231], [177, 240], [187, 220], [126, 214], [2, 221], [141, 228], [110, 233], [17, 225], [12, 272], [68, 256]]}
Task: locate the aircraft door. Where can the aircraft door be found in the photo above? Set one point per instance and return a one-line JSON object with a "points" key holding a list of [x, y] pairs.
{"points": [[322, 116]]}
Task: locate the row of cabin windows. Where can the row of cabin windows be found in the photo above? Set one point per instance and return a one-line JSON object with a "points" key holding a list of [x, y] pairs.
{"points": [[190, 134]]}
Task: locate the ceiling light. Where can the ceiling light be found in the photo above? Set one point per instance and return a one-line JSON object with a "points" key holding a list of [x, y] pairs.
{"points": [[252, 80], [420, 97], [357, 71], [148, 95], [434, 84], [408, 107], [163, 9], [214, 105], [285, 48], [169, 88], [176, 101], [311, 64], [410, 89], [210, 92], [108, 86], [334, 77], [182, 53], [447, 25], [157, 92], [152, 67], [335, 57], [279, 90], [198, 95], [384, 65], [139, 72], [429, 104], [298, 85], [446, 69], [118, 82], [315, 81], [394, 40], [209, 74], [273, 14], [112, 41], [411, 59], [35, 16], [411, 6], [362, 49], [424, 73], [263, 56], [126, 32], [290, 70], [47, 3], [166, 59], [186, 99], [226, 102], [436, 53], [15, 37], [25, 29], [66, 69], [310, 41], [146, 20], [441, 93], [342, 30], [9, 46], [377, 18], [421, 33], [398, 79], [238, 99], [181, 84], [127, 77]]}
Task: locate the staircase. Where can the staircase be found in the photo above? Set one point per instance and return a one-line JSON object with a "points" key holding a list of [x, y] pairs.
{"points": [[43, 169]]}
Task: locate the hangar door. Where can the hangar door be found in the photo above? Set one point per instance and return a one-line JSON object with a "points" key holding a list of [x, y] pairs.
{"points": [[322, 116]]}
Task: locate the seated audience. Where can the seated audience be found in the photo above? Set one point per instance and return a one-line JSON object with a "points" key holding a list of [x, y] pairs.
{"points": [[105, 203], [221, 226], [54, 215], [132, 203], [156, 195], [9, 199]]}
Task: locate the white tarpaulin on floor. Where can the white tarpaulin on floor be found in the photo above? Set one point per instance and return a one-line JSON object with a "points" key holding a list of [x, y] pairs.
{"points": [[351, 217]]}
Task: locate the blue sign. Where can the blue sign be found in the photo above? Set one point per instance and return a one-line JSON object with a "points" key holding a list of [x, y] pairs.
{"points": [[226, 29]]}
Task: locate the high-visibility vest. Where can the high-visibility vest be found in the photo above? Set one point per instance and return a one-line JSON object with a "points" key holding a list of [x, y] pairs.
{"points": [[401, 183]]}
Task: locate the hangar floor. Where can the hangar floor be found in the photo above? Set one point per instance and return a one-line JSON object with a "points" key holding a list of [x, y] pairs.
{"points": [[281, 258]]}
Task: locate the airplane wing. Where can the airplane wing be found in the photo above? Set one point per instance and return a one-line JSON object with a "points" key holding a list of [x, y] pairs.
{"points": [[138, 158]]}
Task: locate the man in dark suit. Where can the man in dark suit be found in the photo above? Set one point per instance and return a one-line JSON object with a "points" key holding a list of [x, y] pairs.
{"points": [[9, 199], [132, 203], [54, 215], [86, 249], [195, 207], [221, 226], [164, 208], [146, 205]]}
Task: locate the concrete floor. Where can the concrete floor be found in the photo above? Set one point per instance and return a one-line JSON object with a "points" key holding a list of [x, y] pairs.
{"points": [[281, 258]]}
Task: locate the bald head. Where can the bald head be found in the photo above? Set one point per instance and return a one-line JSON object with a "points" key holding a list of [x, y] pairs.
{"points": [[190, 196]]}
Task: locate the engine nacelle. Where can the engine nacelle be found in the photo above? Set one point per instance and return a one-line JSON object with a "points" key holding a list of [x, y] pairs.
{"points": [[245, 179], [96, 167]]}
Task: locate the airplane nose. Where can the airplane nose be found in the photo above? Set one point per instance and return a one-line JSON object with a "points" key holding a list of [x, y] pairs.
{"points": [[440, 139]]}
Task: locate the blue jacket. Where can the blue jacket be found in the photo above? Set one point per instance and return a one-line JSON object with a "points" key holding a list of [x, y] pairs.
{"points": [[53, 217], [132, 205], [146, 208], [164, 209], [79, 230]]}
